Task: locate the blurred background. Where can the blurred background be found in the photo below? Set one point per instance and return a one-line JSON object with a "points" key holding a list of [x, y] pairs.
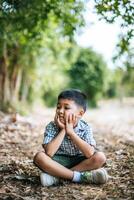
{"points": [[47, 46]]}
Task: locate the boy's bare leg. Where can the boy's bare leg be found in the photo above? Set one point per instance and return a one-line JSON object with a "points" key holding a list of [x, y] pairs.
{"points": [[50, 166], [94, 162]]}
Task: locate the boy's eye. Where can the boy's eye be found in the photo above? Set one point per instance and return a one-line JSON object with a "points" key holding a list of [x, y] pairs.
{"points": [[67, 108]]}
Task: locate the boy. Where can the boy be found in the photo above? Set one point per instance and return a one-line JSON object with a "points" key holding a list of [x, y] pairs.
{"points": [[69, 145]]}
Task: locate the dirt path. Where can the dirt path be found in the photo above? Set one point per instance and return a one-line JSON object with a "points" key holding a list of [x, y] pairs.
{"points": [[21, 138]]}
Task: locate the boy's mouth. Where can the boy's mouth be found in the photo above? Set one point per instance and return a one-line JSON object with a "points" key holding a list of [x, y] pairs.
{"points": [[62, 119]]}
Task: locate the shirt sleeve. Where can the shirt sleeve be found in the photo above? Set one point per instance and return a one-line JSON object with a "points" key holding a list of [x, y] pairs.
{"points": [[89, 136], [49, 133]]}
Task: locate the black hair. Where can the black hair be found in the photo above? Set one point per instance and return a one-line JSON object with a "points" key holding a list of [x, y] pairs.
{"points": [[76, 95]]}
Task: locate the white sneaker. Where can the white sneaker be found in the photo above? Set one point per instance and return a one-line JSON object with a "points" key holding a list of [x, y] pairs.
{"points": [[48, 180]]}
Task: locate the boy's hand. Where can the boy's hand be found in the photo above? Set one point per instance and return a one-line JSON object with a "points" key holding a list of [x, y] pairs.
{"points": [[70, 123], [58, 122]]}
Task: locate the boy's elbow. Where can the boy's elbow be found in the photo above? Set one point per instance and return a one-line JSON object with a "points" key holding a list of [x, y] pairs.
{"points": [[88, 155], [48, 150], [90, 152], [49, 153]]}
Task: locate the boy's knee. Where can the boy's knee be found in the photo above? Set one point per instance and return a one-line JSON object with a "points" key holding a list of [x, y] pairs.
{"points": [[38, 157], [99, 158]]}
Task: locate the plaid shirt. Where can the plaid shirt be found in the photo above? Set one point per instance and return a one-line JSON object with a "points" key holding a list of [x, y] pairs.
{"points": [[83, 130]]}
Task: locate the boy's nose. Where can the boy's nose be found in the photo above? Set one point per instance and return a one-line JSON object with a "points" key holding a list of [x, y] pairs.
{"points": [[61, 110]]}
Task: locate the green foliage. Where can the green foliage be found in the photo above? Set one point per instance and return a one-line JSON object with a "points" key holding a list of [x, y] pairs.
{"points": [[52, 62], [38, 57], [24, 25], [128, 76], [22, 21], [122, 80], [123, 12], [112, 89], [89, 73], [114, 86]]}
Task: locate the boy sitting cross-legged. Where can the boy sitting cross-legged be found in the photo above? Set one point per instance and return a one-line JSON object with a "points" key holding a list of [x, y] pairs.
{"points": [[69, 147]]}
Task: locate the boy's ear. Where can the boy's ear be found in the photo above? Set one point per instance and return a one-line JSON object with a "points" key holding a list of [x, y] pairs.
{"points": [[81, 112]]}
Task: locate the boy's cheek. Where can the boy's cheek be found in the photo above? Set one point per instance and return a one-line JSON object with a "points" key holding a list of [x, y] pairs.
{"points": [[67, 113]]}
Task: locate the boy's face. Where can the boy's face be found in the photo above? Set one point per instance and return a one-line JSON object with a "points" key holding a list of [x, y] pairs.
{"points": [[66, 107]]}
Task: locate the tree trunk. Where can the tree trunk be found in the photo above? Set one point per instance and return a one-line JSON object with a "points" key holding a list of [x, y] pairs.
{"points": [[4, 81], [15, 82], [9, 82]]}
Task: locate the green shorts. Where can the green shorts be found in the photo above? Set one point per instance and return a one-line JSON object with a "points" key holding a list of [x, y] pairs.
{"points": [[68, 161]]}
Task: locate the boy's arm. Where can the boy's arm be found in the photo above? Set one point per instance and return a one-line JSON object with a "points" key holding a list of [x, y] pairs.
{"points": [[52, 147], [82, 145]]}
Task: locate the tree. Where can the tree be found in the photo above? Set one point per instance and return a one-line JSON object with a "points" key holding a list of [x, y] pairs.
{"points": [[89, 73], [127, 81], [123, 12], [23, 26], [121, 83]]}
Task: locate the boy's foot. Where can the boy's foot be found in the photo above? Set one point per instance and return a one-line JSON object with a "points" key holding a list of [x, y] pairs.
{"points": [[98, 176], [48, 180]]}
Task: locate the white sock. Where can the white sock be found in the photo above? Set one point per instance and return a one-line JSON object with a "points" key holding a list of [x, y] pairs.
{"points": [[76, 177]]}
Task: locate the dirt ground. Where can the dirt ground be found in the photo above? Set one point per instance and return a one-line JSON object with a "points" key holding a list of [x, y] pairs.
{"points": [[21, 137]]}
